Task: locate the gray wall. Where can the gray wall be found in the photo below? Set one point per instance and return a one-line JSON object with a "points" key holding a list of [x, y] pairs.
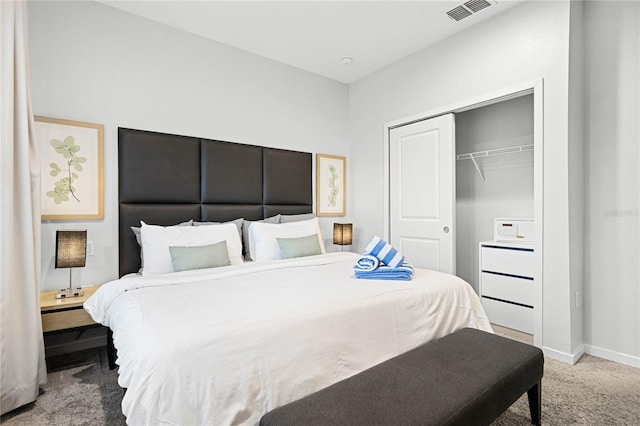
{"points": [[612, 135], [576, 170], [508, 187], [94, 63]]}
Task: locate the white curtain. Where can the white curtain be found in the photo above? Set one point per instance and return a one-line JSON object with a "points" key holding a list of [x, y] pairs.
{"points": [[22, 366]]}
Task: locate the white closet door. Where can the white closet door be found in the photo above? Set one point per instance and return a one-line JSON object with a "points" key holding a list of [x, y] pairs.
{"points": [[422, 192]]}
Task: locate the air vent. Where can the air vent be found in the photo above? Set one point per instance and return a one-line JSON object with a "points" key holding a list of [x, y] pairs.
{"points": [[467, 9], [476, 5], [458, 13]]}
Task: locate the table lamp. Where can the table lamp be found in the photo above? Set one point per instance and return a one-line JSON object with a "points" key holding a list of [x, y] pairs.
{"points": [[71, 252], [342, 234]]}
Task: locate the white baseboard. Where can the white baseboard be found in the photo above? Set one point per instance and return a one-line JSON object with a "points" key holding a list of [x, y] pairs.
{"points": [[614, 356], [563, 356]]}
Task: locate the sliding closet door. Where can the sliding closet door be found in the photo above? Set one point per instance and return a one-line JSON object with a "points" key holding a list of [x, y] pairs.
{"points": [[422, 192]]}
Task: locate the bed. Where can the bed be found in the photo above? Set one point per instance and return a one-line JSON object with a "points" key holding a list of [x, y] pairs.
{"points": [[224, 345]]}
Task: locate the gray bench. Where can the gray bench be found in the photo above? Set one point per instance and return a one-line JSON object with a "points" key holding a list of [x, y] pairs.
{"points": [[469, 377]]}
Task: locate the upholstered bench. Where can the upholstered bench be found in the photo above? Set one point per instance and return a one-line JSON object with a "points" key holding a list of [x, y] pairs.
{"points": [[469, 377]]}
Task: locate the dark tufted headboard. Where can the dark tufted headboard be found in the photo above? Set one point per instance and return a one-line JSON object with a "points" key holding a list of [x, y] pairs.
{"points": [[166, 179]]}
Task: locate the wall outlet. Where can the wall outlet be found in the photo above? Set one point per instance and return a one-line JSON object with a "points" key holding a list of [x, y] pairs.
{"points": [[89, 248]]}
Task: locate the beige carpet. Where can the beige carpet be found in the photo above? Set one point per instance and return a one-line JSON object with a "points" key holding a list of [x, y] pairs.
{"points": [[592, 392]]}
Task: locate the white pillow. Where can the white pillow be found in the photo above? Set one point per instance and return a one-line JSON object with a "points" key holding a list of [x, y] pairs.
{"points": [[157, 239], [136, 232], [263, 237]]}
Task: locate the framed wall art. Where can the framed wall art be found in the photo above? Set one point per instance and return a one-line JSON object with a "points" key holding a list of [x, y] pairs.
{"points": [[331, 171], [71, 161]]}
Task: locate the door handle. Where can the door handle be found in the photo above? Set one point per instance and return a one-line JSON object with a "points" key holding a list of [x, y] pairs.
{"points": [[446, 229]]}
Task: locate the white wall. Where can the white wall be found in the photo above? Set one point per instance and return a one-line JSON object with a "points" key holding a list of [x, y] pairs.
{"points": [[612, 88], [507, 190], [525, 43], [576, 172], [93, 63]]}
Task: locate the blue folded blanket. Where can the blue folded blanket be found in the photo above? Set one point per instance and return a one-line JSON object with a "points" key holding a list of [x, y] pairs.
{"points": [[367, 262], [384, 252], [403, 272]]}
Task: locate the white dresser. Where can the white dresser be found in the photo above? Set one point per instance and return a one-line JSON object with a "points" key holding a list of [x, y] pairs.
{"points": [[506, 283]]}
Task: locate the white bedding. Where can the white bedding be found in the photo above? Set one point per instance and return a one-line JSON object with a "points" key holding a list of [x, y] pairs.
{"points": [[223, 346]]}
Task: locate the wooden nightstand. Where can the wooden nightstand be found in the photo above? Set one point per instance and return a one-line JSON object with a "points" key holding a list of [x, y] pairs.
{"points": [[63, 315]]}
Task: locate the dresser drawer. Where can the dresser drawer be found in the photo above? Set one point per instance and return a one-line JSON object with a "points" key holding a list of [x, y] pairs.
{"points": [[509, 315], [507, 261], [60, 320], [518, 290]]}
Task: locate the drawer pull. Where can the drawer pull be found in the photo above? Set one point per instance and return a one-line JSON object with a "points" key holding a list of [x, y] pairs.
{"points": [[522, 277], [508, 301]]}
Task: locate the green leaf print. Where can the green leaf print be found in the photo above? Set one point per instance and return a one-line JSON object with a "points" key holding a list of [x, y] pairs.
{"points": [[64, 187], [333, 186]]}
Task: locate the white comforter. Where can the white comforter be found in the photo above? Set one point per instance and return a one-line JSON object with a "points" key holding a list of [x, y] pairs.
{"points": [[223, 346]]}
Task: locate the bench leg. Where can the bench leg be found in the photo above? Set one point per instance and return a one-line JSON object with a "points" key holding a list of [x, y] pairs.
{"points": [[535, 403]]}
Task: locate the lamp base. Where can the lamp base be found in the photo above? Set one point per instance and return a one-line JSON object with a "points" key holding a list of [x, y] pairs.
{"points": [[67, 293]]}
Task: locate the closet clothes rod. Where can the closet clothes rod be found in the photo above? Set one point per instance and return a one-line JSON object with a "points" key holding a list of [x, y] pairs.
{"points": [[492, 152]]}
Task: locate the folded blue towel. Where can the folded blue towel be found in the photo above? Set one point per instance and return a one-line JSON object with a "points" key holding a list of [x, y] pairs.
{"points": [[385, 252], [367, 262], [403, 272]]}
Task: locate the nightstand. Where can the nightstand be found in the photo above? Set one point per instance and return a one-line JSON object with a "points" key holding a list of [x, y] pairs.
{"points": [[64, 315]]}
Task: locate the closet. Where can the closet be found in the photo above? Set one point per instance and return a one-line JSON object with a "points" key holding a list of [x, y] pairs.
{"points": [[495, 179], [494, 175], [451, 176]]}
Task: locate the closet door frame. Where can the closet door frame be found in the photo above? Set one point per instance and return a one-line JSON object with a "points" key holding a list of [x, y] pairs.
{"points": [[536, 88]]}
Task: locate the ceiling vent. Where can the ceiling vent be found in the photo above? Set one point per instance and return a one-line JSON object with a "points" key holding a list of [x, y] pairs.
{"points": [[466, 9], [476, 5], [458, 13]]}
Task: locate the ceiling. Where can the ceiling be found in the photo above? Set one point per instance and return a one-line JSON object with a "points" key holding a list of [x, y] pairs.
{"points": [[316, 35]]}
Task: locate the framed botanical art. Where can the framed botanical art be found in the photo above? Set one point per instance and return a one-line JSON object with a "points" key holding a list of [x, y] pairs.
{"points": [[330, 185], [71, 161]]}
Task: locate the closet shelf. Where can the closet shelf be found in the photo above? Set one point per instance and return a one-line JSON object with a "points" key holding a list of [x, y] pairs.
{"points": [[492, 152]]}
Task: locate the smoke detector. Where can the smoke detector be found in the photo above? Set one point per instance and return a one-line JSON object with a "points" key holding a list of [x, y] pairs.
{"points": [[467, 9]]}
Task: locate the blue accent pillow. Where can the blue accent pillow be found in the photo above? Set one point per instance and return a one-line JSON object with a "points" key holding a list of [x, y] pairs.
{"points": [[299, 247], [199, 257]]}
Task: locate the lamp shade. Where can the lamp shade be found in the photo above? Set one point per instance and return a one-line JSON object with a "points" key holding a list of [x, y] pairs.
{"points": [[342, 234], [71, 249]]}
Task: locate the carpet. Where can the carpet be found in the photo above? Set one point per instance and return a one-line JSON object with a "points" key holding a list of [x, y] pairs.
{"points": [[83, 391], [80, 390]]}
